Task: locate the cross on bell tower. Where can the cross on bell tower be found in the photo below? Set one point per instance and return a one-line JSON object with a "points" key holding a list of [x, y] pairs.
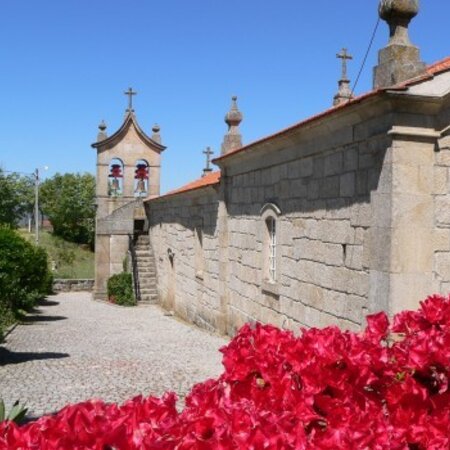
{"points": [[344, 93], [130, 94], [208, 152]]}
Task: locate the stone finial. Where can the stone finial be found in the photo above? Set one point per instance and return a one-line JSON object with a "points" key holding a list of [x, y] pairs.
{"points": [[102, 133], [400, 59], [344, 93], [156, 136], [233, 139]]}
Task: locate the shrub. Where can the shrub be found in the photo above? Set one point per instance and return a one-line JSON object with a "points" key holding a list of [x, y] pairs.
{"points": [[24, 275], [120, 289], [386, 388]]}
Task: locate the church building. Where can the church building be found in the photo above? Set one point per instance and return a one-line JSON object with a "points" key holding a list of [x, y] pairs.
{"points": [[342, 214]]}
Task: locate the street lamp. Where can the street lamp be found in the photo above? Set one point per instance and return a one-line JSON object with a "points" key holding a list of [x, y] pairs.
{"points": [[36, 203]]}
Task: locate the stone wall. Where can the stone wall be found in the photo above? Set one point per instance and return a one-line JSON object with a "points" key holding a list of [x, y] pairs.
{"points": [[323, 193], [184, 237], [441, 239], [323, 236], [66, 285], [361, 202]]}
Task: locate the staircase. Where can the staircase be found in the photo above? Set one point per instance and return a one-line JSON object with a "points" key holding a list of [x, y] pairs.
{"points": [[146, 270]]}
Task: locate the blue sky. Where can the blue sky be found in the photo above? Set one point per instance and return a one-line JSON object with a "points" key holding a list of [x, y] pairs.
{"points": [[64, 66]]}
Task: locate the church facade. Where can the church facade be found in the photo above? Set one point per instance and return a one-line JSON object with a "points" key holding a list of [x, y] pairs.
{"points": [[340, 215]]}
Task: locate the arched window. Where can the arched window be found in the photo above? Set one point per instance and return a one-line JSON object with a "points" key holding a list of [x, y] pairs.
{"points": [[141, 178], [115, 178], [269, 214], [271, 224]]}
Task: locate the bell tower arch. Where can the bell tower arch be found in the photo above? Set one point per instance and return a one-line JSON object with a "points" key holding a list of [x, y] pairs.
{"points": [[128, 171]]}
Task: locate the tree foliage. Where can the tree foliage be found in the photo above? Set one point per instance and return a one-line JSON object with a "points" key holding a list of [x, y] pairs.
{"points": [[24, 275], [68, 201], [17, 197]]}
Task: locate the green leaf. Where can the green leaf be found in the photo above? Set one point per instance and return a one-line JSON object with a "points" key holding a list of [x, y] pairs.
{"points": [[2, 410]]}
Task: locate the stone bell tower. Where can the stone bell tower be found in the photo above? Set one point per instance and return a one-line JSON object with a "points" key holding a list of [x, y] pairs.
{"points": [[128, 170]]}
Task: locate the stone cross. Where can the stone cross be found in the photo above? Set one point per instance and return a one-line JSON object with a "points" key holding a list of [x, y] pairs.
{"points": [[130, 94], [344, 56], [208, 152]]}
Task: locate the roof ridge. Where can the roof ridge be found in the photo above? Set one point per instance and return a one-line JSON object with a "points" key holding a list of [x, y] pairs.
{"points": [[208, 180]]}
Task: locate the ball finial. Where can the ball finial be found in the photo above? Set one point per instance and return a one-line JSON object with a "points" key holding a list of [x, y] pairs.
{"points": [[156, 128], [102, 126], [398, 9], [233, 117]]}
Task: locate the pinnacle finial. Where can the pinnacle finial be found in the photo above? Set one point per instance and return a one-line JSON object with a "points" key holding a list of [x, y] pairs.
{"points": [[233, 118], [156, 136], [400, 59], [398, 14], [102, 133]]}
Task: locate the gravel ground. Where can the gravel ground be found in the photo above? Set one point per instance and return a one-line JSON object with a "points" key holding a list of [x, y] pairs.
{"points": [[73, 349]]}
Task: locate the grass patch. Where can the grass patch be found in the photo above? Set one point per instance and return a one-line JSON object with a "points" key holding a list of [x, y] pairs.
{"points": [[72, 261]]}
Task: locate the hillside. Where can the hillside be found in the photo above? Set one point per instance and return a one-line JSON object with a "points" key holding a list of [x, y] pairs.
{"points": [[69, 260]]}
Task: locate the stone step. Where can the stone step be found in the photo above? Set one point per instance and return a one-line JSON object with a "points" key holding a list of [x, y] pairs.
{"points": [[145, 297], [150, 301], [144, 273], [146, 265], [145, 260], [147, 290], [146, 268], [147, 284]]}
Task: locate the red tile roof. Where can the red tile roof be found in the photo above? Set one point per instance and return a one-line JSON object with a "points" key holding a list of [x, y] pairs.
{"points": [[440, 66], [431, 71], [208, 180]]}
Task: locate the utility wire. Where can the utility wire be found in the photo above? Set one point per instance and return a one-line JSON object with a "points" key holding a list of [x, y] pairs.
{"points": [[366, 55]]}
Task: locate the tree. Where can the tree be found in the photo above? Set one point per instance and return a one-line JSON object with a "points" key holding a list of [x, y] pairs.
{"points": [[68, 201], [16, 197]]}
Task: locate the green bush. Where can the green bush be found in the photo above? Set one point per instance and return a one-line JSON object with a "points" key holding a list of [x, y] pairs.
{"points": [[120, 289], [24, 275]]}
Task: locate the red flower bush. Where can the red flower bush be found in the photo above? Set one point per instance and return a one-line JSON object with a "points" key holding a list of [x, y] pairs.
{"points": [[384, 388]]}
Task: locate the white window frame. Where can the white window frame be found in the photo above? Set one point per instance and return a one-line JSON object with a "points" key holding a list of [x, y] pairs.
{"points": [[270, 225]]}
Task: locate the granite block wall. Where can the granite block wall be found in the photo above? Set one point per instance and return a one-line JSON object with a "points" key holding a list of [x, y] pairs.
{"points": [[362, 209], [323, 238], [441, 238], [184, 236]]}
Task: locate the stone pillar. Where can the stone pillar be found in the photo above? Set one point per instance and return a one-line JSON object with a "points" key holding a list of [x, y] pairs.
{"points": [[401, 251], [102, 258], [233, 139], [222, 218], [400, 59]]}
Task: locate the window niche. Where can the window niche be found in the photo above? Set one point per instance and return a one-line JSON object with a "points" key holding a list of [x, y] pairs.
{"points": [[270, 214], [141, 178], [199, 256], [115, 178]]}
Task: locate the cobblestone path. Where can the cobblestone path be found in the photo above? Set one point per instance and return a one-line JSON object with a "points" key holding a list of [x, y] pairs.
{"points": [[74, 349]]}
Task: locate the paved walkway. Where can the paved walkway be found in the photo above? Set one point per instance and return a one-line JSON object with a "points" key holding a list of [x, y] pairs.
{"points": [[74, 349]]}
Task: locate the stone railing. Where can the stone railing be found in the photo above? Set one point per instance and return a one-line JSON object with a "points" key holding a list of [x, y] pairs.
{"points": [[66, 285]]}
